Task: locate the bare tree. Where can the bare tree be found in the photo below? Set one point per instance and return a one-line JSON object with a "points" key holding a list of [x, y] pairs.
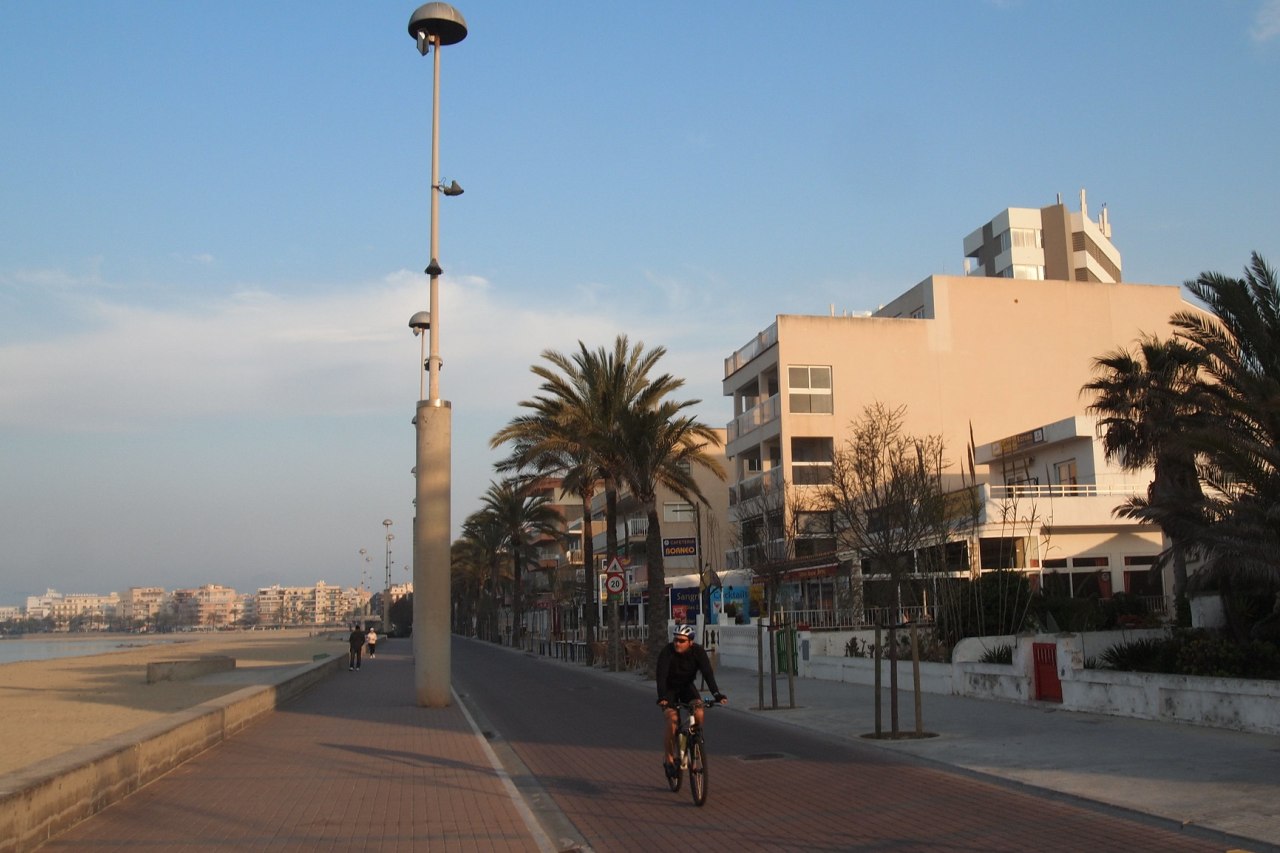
{"points": [[889, 502]]}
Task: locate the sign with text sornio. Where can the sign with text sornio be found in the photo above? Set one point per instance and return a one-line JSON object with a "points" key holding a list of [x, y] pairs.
{"points": [[683, 547]]}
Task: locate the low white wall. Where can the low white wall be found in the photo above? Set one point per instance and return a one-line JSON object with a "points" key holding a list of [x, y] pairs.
{"points": [[1229, 703]]}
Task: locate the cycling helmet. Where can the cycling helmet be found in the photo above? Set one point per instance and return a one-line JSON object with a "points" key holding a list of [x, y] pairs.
{"points": [[685, 631]]}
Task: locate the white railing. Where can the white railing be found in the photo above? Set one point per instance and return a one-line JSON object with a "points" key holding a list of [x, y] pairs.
{"points": [[759, 344], [755, 486], [754, 418], [1089, 490], [883, 616]]}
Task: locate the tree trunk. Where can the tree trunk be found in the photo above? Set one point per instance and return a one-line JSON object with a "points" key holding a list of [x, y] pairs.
{"points": [[517, 614], [611, 554], [657, 576], [589, 572]]}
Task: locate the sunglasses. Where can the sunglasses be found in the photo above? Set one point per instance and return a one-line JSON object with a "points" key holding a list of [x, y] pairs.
{"points": [[681, 640]]}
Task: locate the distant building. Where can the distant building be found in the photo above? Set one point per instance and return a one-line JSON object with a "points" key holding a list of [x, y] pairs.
{"points": [[208, 606], [1049, 243], [142, 604]]}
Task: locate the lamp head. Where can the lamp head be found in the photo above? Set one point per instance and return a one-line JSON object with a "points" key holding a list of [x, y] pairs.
{"points": [[436, 22], [420, 322], [451, 190]]}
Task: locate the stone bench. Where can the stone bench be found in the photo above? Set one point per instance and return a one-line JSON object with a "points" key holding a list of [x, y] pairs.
{"points": [[183, 670]]}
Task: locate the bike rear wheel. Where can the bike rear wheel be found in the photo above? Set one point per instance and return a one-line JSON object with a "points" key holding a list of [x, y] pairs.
{"points": [[697, 772]]}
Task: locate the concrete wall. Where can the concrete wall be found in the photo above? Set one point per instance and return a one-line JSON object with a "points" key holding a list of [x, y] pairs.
{"points": [[1230, 703], [39, 802]]}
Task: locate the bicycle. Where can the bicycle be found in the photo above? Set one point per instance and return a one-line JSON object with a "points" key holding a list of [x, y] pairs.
{"points": [[691, 753]]}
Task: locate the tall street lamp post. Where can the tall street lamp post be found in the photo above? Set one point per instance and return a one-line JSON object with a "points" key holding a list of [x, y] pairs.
{"points": [[386, 589], [433, 25]]}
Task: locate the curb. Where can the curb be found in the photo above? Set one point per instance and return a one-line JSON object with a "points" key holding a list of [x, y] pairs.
{"points": [[39, 802]]}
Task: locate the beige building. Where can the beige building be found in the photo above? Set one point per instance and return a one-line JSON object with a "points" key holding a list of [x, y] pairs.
{"points": [[1001, 359], [141, 604], [1046, 243]]}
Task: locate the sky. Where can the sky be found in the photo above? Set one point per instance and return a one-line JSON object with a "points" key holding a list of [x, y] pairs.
{"points": [[214, 216]]}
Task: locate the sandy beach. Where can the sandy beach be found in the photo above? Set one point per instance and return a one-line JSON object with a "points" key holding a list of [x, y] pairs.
{"points": [[51, 706]]}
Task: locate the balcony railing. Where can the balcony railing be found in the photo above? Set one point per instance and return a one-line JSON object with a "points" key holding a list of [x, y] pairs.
{"points": [[1088, 490], [755, 486], [754, 418], [759, 344]]}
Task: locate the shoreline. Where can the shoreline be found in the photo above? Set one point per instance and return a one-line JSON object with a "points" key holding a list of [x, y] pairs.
{"points": [[59, 704]]}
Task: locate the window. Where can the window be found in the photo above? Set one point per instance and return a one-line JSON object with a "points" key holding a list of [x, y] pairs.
{"points": [[811, 460], [814, 523], [677, 511], [1026, 238], [810, 389], [1031, 272]]}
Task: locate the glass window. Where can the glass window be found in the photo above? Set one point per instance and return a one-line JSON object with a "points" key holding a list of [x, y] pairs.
{"points": [[677, 511], [810, 388]]}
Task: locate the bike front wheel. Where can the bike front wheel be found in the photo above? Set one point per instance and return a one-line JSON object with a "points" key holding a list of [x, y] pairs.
{"points": [[677, 776], [698, 772]]}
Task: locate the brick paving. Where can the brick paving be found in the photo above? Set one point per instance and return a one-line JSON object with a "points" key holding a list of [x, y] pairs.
{"points": [[593, 745], [353, 764]]}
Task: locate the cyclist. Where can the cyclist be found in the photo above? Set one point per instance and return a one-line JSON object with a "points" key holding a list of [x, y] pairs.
{"points": [[678, 665]]}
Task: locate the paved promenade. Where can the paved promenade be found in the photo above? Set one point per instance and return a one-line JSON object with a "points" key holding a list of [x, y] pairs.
{"points": [[351, 765], [355, 765]]}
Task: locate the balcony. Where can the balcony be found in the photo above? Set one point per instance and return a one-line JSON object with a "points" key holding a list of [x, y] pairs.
{"points": [[753, 418], [757, 345], [1059, 506], [754, 487]]}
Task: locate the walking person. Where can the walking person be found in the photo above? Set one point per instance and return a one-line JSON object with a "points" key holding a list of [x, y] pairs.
{"points": [[356, 642], [371, 640]]}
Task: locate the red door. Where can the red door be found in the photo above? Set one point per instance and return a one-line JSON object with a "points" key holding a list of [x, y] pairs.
{"points": [[1048, 686]]}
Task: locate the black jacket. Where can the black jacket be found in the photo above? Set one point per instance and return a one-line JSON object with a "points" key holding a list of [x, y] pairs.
{"points": [[678, 670]]}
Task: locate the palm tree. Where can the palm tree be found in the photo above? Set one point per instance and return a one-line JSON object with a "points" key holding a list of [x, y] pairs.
{"points": [[522, 518], [1240, 344], [478, 554], [550, 442], [659, 447], [572, 427], [1147, 403]]}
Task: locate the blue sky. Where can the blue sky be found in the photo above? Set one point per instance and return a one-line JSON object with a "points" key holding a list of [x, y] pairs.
{"points": [[213, 218]]}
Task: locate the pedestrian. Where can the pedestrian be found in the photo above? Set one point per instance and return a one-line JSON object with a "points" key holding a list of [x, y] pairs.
{"points": [[371, 640], [356, 642]]}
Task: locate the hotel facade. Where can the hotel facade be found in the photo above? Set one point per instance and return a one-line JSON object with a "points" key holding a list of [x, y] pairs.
{"points": [[1000, 355]]}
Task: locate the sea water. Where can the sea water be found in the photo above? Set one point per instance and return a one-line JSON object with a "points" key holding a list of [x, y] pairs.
{"points": [[14, 650]]}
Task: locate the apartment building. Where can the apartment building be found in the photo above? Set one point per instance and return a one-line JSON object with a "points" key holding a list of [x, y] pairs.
{"points": [[208, 606], [141, 604], [1001, 359], [1047, 243]]}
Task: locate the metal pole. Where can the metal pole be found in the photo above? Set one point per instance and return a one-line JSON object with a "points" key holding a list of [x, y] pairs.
{"points": [[915, 675], [760, 661], [893, 680], [876, 654]]}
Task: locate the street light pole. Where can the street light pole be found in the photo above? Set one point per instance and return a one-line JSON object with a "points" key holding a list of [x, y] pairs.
{"points": [[386, 590], [433, 25]]}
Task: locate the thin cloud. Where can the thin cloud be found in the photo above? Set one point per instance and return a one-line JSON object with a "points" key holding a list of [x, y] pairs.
{"points": [[1266, 24]]}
